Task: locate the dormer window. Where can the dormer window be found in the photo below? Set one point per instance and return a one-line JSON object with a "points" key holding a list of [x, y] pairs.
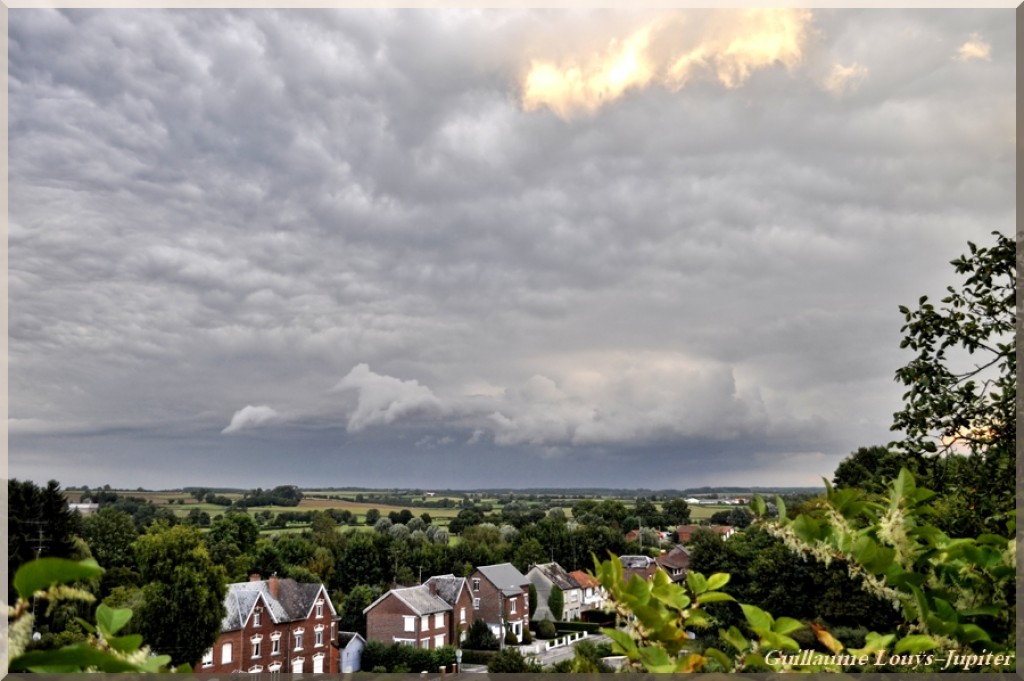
{"points": [[319, 609], [476, 585], [257, 618]]}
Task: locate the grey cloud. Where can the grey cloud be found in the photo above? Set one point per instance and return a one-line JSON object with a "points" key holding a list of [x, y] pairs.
{"points": [[214, 209]]}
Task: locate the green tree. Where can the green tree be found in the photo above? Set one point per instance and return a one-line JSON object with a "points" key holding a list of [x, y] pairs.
{"points": [[351, 611], [871, 468], [38, 524], [675, 512], [961, 385], [556, 602], [532, 599], [110, 535], [183, 596], [372, 516]]}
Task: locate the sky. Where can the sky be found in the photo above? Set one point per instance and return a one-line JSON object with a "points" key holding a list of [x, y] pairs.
{"points": [[504, 248]]}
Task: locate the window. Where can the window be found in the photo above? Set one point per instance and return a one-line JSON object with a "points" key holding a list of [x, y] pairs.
{"points": [[256, 669], [476, 603], [256, 645], [319, 608], [257, 618], [297, 665], [425, 643], [424, 622], [513, 601], [462, 615], [405, 642], [225, 653], [319, 640], [274, 668], [275, 643], [208, 658], [298, 640], [439, 640], [410, 623], [438, 620], [476, 585], [318, 664]]}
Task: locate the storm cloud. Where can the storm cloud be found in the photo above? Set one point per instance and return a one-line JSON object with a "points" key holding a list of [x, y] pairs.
{"points": [[406, 248]]}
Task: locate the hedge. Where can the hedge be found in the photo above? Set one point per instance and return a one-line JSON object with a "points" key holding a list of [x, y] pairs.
{"points": [[377, 654], [572, 627]]}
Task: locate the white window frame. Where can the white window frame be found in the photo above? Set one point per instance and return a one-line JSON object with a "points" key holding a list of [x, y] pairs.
{"points": [[462, 615], [208, 658], [439, 640], [274, 668], [256, 669], [410, 622], [404, 641], [257, 618], [257, 645], [318, 640], [438, 620], [318, 661], [226, 653], [512, 610], [425, 623], [425, 643], [476, 585], [476, 603], [297, 663], [320, 608]]}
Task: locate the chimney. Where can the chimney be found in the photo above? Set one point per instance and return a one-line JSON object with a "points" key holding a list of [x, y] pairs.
{"points": [[432, 585], [254, 577], [272, 585]]}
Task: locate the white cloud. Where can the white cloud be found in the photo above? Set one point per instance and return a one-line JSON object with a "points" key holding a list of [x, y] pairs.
{"points": [[845, 78], [974, 48], [251, 417], [384, 399]]}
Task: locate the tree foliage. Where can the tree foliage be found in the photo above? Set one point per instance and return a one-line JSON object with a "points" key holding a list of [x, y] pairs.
{"points": [[183, 596], [556, 603], [961, 385]]}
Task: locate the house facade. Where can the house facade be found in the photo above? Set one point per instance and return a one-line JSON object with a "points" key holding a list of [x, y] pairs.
{"points": [[275, 625], [546, 577], [685, 532], [675, 562], [413, 616], [455, 592], [592, 593], [501, 598]]}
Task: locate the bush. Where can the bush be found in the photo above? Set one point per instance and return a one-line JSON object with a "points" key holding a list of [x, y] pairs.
{"points": [[527, 636], [556, 601], [546, 629], [510, 661], [510, 638], [572, 627], [480, 637]]}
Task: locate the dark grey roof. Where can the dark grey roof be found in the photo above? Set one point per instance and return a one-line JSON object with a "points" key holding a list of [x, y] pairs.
{"points": [[557, 576], [506, 577], [346, 637], [294, 601], [418, 598], [636, 562], [448, 587]]}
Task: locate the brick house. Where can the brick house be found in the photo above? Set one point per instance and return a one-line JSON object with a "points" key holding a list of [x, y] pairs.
{"points": [[455, 592], [275, 625], [685, 532], [501, 598], [675, 562], [414, 616]]}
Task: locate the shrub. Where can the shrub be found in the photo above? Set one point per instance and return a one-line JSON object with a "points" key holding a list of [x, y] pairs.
{"points": [[480, 637], [510, 661], [546, 629], [510, 638], [556, 601]]}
